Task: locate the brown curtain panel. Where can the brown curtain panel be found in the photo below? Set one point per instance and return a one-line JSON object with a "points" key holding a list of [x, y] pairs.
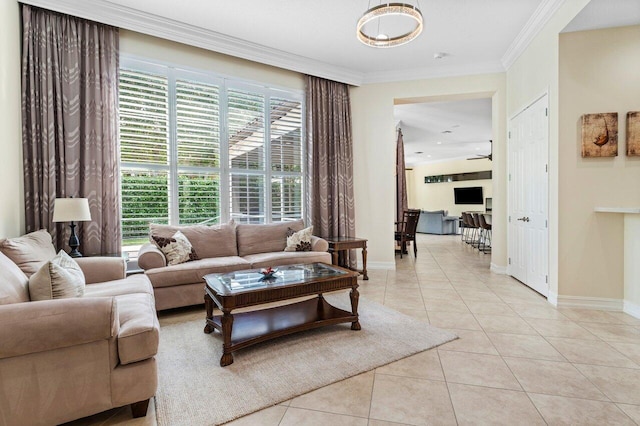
{"points": [[70, 125], [401, 179], [330, 159]]}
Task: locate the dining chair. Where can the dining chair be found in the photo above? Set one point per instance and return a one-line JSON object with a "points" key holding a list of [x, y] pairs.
{"points": [[406, 231]]}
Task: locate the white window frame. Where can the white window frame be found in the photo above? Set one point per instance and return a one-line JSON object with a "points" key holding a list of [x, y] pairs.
{"points": [[174, 72]]}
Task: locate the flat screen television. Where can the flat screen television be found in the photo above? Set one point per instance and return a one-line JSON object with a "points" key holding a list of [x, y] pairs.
{"points": [[468, 195]]}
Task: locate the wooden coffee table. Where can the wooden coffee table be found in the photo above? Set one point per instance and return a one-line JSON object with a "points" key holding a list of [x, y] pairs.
{"points": [[248, 288]]}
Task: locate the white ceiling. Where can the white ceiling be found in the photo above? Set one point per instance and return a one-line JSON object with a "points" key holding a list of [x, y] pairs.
{"points": [[472, 32], [444, 130], [606, 14]]}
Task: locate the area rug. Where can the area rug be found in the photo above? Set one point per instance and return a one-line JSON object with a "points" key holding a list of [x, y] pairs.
{"points": [[194, 390]]}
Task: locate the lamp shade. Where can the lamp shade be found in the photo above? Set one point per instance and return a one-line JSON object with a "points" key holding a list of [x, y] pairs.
{"points": [[71, 210]]}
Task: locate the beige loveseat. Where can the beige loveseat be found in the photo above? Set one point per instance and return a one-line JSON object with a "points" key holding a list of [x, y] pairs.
{"points": [[221, 249], [64, 359]]}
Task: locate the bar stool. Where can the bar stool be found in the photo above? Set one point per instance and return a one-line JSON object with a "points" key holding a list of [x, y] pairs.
{"points": [[467, 229], [478, 231], [487, 234]]}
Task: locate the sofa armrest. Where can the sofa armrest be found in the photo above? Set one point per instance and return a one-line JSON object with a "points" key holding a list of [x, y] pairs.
{"points": [[319, 244], [31, 327], [101, 269], [150, 256]]}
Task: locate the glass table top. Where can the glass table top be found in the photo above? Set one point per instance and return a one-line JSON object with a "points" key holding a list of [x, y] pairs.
{"points": [[250, 280]]}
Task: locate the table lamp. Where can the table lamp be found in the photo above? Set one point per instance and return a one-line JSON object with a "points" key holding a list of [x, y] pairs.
{"points": [[72, 210]]}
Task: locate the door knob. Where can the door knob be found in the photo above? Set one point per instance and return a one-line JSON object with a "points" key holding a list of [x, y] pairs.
{"points": [[521, 218], [526, 219]]}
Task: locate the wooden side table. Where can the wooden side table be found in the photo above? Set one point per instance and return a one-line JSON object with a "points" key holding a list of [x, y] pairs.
{"points": [[339, 245]]}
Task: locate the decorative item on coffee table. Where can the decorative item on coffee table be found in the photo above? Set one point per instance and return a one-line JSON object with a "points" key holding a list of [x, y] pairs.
{"points": [[268, 273]]}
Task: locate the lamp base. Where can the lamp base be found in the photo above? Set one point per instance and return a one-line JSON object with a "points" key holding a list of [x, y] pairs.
{"points": [[75, 253], [74, 242]]}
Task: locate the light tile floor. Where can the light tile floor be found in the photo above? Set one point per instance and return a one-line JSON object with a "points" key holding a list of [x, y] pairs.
{"points": [[518, 360]]}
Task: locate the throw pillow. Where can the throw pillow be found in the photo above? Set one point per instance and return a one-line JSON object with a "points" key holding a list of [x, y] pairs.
{"points": [[59, 278], [29, 251], [177, 248], [299, 241]]}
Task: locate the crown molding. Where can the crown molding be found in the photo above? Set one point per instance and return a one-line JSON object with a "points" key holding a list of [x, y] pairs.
{"points": [[147, 23], [427, 73], [534, 25]]}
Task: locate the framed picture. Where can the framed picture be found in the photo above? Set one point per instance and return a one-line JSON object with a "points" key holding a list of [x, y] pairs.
{"points": [[600, 134], [633, 133]]}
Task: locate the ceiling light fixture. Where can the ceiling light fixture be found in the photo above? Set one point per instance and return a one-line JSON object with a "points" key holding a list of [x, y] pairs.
{"points": [[387, 10]]}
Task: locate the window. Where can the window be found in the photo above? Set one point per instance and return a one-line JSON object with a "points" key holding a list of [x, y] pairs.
{"points": [[198, 149]]}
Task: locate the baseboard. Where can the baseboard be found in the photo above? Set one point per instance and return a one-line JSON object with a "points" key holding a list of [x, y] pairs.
{"points": [[631, 309], [600, 303], [553, 298], [502, 270], [378, 265]]}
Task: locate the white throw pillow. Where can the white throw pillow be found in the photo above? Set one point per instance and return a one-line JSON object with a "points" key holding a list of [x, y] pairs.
{"points": [[59, 278], [177, 249], [299, 241]]}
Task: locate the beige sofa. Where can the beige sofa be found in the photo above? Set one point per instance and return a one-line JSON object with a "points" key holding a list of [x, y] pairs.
{"points": [[64, 359], [221, 249]]}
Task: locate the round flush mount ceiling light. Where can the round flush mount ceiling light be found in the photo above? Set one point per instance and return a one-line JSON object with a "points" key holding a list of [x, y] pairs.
{"points": [[390, 25]]}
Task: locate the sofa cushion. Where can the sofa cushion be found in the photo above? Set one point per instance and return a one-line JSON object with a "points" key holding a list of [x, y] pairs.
{"points": [[137, 283], [29, 251], [192, 272], [265, 238], [279, 258], [177, 248], [59, 278], [207, 241], [14, 284], [299, 241], [139, 328]]}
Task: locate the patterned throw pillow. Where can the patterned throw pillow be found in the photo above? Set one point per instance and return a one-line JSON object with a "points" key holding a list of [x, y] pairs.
{"points": [[177, 248], [299, 241], [59, 278]]}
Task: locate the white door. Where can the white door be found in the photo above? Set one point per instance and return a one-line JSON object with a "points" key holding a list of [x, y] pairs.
{"points": [[528, 196]]}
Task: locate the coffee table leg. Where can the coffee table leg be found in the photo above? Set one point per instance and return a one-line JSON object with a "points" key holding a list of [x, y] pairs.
{"points": [[355, 295], [227, 325], [208, 304]]}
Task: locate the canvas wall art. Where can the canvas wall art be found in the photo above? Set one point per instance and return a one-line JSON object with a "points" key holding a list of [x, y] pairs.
{"points": [[600, 135], [633, 133]]}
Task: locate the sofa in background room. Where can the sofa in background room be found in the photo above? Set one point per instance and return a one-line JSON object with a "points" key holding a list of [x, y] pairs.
{"points": [[437, 222]]}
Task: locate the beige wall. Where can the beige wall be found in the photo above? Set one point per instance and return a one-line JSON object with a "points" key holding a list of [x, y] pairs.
{"points": [[534, 73], [11, 189], [439, 196], [145, 46], [374, 153], [599, 72]]}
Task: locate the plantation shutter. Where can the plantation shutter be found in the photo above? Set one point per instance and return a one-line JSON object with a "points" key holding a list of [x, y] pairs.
{"points": [[200, 149], [198, 140], [286, 159], [144, 150], [246, 155]]}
